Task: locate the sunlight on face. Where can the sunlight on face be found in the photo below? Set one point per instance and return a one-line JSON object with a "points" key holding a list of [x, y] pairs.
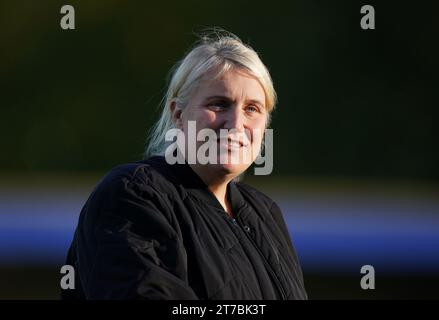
{"points": [[236, 102]]}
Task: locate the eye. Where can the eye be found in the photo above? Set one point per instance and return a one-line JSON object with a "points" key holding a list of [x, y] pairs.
{"points": [[217, 106], [252, 108]]}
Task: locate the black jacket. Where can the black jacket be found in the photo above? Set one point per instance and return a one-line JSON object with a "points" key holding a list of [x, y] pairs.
{"points": [[153, 230]]}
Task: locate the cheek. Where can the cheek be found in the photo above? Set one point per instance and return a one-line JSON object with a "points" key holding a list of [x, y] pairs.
{"points": [[203, 119], [206, 119], [257, 137], [257, 130]]}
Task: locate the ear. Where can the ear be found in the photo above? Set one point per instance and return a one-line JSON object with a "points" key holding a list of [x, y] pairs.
{"points": [[176, 114]]}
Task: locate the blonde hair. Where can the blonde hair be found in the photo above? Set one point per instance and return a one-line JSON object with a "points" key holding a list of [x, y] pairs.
{"points": [[220, 51]]}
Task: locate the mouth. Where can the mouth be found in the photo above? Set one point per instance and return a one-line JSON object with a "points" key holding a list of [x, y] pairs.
{"points": [[232, 143]]}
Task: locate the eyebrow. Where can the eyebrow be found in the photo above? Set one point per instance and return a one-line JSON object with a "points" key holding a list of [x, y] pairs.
{"points": [[227, 98]]}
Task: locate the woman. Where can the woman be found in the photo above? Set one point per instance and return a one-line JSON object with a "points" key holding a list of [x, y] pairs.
{"points": [[161, 229]]}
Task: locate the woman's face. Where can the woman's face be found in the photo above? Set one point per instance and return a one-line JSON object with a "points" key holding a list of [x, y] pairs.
{"points": [[236, 102]]}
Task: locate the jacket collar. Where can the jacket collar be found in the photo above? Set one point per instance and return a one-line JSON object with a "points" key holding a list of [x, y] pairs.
{"points": [[195, 186]]}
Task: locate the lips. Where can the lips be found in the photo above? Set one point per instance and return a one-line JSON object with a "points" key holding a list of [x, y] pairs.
{"points": [[230, 142]]}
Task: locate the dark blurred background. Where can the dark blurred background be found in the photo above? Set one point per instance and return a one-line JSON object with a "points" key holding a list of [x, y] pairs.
{"points": [[356, 159]]}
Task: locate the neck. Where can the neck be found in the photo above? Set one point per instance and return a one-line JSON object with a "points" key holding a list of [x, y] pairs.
{"points": [[217, 184]]}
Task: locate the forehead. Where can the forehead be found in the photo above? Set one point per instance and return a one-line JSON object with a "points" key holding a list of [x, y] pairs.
{"points": [[234, 84]]}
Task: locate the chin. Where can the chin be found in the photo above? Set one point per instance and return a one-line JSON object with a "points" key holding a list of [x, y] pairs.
{"points": [[231, 169]]}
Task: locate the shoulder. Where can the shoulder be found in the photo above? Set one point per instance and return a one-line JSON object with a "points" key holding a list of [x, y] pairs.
{"points": [[128, 192], [138, 177], [136, 185]]}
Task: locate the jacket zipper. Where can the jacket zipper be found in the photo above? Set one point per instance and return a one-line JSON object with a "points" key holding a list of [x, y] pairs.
{"points": [[269, 268]]}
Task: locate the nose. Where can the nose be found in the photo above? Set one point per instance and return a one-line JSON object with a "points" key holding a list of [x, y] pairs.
{"points": [[234, 119]]}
